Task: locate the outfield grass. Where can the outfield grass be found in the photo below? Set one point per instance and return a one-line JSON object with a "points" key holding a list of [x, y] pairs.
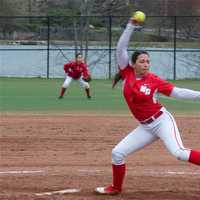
{"points": [[41, 95]]}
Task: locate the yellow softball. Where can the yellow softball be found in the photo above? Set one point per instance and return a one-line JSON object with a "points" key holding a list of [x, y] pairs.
{"points": [[139, 16]]}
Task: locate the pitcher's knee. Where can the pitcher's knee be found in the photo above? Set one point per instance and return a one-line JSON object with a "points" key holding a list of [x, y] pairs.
{"points": [[117, 157], [182, 154]]}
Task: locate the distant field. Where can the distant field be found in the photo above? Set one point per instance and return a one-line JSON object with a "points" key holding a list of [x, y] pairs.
{"points": [[41, 95], [146, 43]]}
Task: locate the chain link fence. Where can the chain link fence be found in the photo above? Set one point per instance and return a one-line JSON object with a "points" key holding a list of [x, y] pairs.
{"points": [[39, 46]]}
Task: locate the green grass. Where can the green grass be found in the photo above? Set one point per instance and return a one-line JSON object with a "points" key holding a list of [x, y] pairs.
{"points": [[41, 95]]}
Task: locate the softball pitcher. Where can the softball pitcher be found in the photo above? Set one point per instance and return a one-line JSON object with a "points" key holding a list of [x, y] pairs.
{"points": [[76, 70], [141, 89]]}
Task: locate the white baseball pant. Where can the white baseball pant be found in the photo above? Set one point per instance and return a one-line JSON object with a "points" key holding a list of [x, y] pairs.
{"points": [[164, 128], [69, 79]]}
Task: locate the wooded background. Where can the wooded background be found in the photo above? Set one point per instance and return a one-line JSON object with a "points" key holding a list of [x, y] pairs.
{"points": [[96, 7]]}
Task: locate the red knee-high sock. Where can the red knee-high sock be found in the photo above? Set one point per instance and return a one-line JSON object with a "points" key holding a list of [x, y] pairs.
{"points": [[194, 157], [118, 176], [62, 92]]}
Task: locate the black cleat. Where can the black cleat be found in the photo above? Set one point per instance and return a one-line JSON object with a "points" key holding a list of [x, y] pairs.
{"points": [[60, 97]]}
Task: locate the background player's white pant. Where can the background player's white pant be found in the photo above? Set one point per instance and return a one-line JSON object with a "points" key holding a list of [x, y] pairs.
{"points": [[69, 79], [164, 128]]}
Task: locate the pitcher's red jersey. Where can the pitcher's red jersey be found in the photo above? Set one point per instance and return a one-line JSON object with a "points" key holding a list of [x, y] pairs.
{"points": [[141, 94]]}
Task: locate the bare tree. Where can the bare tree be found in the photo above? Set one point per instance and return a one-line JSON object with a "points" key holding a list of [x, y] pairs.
{"points": [[85, 12], [110, 7], [6, 9], [6, 26]]}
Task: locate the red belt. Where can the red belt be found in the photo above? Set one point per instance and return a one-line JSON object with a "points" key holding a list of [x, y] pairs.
{"points": [[151, 119]]}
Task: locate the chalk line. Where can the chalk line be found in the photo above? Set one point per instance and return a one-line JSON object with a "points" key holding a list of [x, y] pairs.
{"points": [[69, 191], [21, 172]]}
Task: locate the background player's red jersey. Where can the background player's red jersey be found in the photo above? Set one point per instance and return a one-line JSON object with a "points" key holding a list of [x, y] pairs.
{"points": [[75, 70]]}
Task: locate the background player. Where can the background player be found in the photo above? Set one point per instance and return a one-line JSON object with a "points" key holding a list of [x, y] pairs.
{"points": [[140, 89], [76, 70]]}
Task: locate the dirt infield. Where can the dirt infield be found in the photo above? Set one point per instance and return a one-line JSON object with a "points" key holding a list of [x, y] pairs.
{"points": [[51, 152]]}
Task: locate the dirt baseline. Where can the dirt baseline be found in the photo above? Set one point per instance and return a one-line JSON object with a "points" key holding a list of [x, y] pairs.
{"points": [[52, 152]]}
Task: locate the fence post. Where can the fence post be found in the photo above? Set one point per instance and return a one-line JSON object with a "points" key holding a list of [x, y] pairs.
{"points": [[48, 40], [175, 34], [110, 44]]}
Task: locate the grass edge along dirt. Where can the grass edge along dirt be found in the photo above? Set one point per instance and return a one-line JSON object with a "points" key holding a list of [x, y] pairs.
{"points": [[41, 95]]}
